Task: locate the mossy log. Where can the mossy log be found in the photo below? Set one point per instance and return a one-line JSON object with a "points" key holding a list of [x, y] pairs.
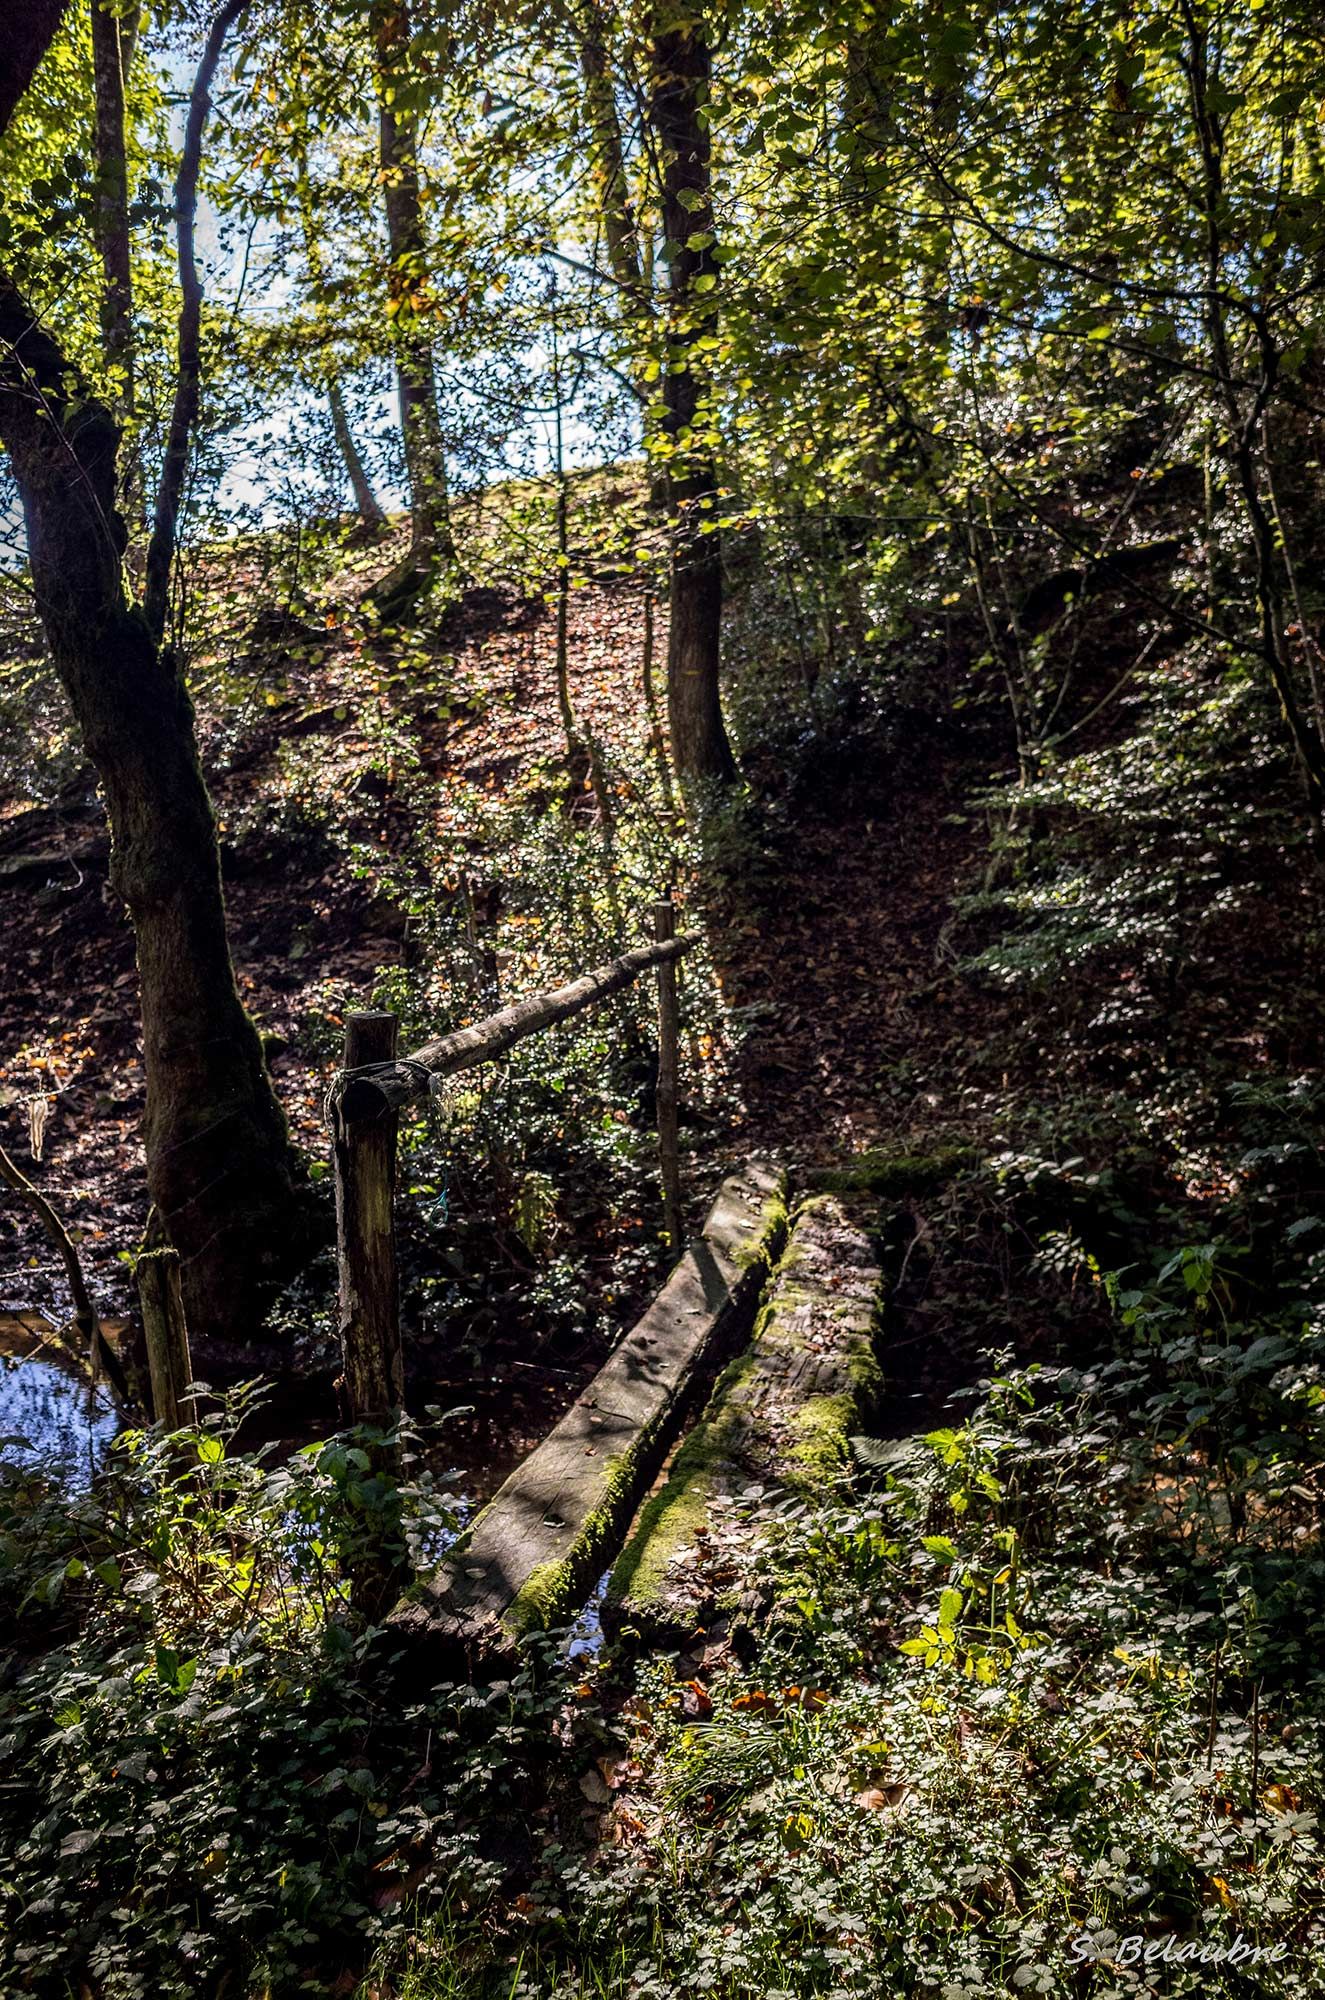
{"points": [[885, 1173], [780, 1417], [535, 1551]]}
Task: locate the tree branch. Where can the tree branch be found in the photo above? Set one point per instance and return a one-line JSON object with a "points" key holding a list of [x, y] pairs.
{"points": [[188, 377], [96, 1352]]}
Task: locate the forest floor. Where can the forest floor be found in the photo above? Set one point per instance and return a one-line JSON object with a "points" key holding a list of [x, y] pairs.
{"points": [[1043, 1657], [835, 963]]}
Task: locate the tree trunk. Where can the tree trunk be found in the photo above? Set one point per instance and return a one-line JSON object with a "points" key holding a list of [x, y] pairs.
{"points": [[219, 1164], [607, 153], [365, 500], [187, 401], [420, 419], [607, 159], [1245, 423], [371, 516], [678, 60], [220, 1167], [29, 32]]}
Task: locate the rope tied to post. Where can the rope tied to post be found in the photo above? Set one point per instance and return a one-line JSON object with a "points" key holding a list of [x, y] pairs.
{"points": [[419, 1081]]}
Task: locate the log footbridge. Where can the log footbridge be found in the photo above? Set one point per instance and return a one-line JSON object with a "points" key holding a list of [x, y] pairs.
{"points": [[780, 1412]]}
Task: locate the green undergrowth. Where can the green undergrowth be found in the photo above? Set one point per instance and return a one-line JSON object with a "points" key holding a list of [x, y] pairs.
{"points": [[889, 1173], [210, 1781], [1040, 1688]]}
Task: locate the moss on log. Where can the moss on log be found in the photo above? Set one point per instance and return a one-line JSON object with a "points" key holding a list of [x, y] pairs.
{"points": [[533, 1554], [780, 1416]]}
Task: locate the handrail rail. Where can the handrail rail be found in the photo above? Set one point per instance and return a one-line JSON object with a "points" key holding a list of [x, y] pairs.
{"points": [[362, 1107], [376, 1088]]}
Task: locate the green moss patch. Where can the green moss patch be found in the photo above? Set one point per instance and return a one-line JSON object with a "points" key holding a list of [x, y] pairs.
{"points": [[893, 1173], [782, 1414]]}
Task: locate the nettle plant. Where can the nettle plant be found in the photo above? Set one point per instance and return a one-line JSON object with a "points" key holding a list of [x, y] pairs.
{"points": [[197, 1767]]}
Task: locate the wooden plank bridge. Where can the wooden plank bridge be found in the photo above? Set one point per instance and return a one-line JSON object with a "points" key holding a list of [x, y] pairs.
{"points": [[533, 1554]]}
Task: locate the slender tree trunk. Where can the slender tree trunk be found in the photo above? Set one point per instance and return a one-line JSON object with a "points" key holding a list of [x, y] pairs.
{"points": [[565, 706], [1245, 424], [576, 757], [420, 419], [220, 1167], [366, 504], [112, 50], [187, 401], [94, 1352], [608, 160], [657, 734], [607, 157], [365, 500], [678, 62]]}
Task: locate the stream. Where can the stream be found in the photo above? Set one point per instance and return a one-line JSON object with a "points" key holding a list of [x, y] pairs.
{"points": [[49, 1417], [48, 1414]]}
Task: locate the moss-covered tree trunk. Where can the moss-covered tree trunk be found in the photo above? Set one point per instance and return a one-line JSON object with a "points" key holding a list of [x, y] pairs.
{"points": [[678, 64], [220, 1167]]}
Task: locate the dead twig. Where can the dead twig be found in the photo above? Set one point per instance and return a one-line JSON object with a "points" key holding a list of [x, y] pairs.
{"points": [[98, 1354]]}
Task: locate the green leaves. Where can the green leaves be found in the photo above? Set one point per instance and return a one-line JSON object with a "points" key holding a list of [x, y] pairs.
{"points": [[174, 1674], [950, 1609]]}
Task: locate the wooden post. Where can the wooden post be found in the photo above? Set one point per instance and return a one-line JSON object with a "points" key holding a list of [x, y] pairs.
{"points": [[167, 1334], [364, 1156], [669, 1154]]}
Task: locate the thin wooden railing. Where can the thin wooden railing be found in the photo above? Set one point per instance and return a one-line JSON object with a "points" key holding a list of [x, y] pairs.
{"points": [[364, 1103]]}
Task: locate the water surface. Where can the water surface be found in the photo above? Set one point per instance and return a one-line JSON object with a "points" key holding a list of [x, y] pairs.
{"points": [[49, 1416]]}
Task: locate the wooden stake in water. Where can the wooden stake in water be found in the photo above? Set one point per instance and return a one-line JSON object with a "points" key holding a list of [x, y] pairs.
{"points": [[167, 1335]]}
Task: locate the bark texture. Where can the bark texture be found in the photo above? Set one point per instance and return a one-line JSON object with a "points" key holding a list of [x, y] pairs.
{"points": [[678, 63], [373, 1374]]}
